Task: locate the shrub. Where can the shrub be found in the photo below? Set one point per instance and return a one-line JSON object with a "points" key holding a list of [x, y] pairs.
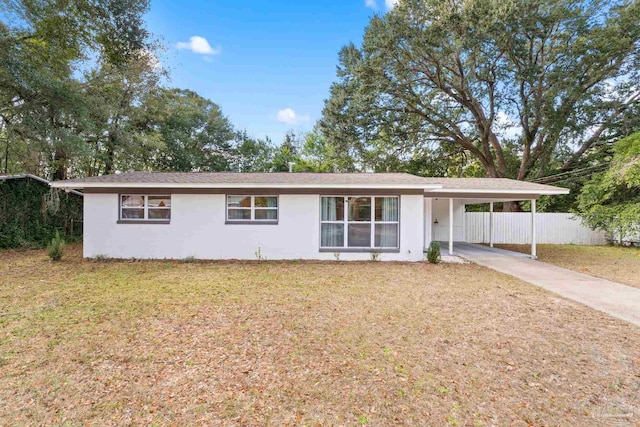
{"points": [[610, 200], [259, 255], [433, 253], [31, 213], [55, 249]]}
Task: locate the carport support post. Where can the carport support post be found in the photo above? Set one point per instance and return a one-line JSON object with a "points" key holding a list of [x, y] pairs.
{"points": [[450, 226], [491, 224], [533, 229]]}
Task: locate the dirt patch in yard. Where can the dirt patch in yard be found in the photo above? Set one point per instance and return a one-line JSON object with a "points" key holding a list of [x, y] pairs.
{"points": [[613, 263], [302, 343]]}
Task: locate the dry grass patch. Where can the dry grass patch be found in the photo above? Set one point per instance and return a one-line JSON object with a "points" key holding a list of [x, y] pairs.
{"points": [[613, 263], [299, 343]]}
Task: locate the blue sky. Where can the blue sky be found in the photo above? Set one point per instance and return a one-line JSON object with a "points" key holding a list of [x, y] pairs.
{"points": [[268, 64]]}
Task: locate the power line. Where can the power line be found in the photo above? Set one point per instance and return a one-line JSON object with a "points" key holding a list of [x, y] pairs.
{"points": [[576, 173], [571, 172]]}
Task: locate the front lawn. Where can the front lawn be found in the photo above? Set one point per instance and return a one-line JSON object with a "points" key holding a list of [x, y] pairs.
{"points": [[303, 343], [613, 263]]}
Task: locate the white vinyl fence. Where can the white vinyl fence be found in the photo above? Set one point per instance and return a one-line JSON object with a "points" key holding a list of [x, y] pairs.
{"points": [[515, 227]]}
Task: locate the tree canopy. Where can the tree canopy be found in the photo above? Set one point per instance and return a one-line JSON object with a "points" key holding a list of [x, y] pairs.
{"points": [[533, 90], [43, 46], [82, 94], [524, 88], [610, 200]]}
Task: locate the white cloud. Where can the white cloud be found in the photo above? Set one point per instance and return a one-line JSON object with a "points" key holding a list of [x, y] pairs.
{"points": [[371, 4], [390, 4], [290, 117], [199, 45]]}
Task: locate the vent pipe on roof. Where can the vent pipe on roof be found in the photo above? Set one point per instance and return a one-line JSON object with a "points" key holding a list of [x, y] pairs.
{"points": [[291, 166]]}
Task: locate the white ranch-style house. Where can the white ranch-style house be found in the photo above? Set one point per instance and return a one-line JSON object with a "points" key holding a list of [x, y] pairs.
{"points": [[156, 215]]}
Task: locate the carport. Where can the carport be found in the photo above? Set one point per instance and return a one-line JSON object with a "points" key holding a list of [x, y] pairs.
{"points": [[445, 207]]}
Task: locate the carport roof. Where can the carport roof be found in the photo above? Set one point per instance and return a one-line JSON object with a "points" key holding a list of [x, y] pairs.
{"points": [[493, 184]]}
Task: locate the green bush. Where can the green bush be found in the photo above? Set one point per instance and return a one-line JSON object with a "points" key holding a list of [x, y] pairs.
{"points": [[27, 221], [610, 200], [433, 253], [55, 249]]}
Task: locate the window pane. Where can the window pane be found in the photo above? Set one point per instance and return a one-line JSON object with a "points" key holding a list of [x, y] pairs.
{"points": [[132, 213], [159, 213], [386, 236], [359, 208], [244, 214], [264, 214], [359, 235], [239, 201], [132, 201], [331, 235], [332, 209], [266, 202], [159, 201], [386, 209]]}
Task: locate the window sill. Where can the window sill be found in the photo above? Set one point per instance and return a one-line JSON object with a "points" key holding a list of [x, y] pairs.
{"points": [[142, 221], [362, 250], [251, 222]]}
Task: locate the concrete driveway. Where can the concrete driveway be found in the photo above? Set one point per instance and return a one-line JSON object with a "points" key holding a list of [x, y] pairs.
{"points": [[618, 300]]}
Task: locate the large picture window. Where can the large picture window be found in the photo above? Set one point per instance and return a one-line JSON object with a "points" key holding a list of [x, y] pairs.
{"points": [[136, 207], [359, 222], [252, 208]]}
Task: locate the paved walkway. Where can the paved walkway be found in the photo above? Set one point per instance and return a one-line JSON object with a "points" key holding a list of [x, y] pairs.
{"points": [[618, 300]]}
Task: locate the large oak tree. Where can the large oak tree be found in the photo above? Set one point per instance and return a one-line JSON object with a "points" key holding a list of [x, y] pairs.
{"points": [[526, 87]]}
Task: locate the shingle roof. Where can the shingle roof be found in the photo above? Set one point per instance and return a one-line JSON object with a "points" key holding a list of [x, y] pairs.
{"points": [[308, 180], [250, 179]]}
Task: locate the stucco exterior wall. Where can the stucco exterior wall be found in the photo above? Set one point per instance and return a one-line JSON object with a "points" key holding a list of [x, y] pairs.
{"points": [[440, 211], [198, 230]]}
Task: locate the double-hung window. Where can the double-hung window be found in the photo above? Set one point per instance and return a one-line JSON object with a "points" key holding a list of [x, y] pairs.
{"points": [[359, 222], [135, 207], [252, 208]]}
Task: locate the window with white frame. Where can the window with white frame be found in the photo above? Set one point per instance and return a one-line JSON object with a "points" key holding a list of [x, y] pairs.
{"points": [[136, 207], [359, 222], [252, 208]]}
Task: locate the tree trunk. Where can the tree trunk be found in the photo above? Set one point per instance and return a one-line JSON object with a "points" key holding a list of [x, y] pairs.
{"points": [[60, 164], [6, 153], [110, 154], [511, 207]]}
